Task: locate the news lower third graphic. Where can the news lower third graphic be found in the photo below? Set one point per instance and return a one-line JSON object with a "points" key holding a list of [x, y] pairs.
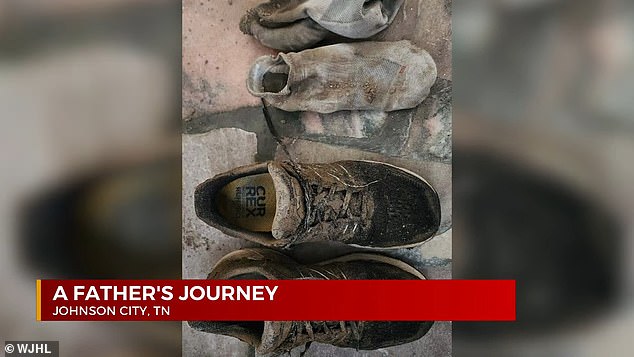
{"points": [[275, 300], [31, 348]]}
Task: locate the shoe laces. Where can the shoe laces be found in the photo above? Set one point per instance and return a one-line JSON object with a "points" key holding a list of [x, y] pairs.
{"points": [[326, 200], [328, 203], [332, 332]]}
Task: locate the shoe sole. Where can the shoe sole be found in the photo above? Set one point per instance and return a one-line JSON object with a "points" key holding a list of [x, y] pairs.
{"points": [[248, 253]]}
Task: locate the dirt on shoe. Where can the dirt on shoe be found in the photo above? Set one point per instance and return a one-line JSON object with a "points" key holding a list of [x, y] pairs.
{"points": [[362, 203], [281, 336]]}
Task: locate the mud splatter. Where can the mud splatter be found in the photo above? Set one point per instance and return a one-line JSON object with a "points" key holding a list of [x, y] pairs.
{"points": [[369, 88], [199, 97]]}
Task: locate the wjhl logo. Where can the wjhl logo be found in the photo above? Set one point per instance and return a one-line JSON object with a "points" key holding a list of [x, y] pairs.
{"points": [[31, 348]]}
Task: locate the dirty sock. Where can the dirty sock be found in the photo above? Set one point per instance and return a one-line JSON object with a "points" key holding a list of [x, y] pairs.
{"points": [[294, 36], [293, 25], [379, 76]]}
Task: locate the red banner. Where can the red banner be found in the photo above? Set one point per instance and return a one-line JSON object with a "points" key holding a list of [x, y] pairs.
{"points": [[276, 300]]}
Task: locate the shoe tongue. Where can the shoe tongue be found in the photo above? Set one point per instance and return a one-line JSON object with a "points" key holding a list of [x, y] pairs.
{"points": [[289, 212]]}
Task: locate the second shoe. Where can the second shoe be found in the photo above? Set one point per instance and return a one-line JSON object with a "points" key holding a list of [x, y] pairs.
{"points": [[362, 203], [278, 337], [383, 76]]}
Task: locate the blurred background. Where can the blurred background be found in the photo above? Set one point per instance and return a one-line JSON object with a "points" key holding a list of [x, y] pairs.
{"points": [[90, 150], [543, 141], [90, 93]]}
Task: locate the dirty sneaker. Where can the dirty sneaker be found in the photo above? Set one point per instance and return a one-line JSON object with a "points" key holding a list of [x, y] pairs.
{"points": [[293, 25], [281, 336], [362, 203], [382, 76]]}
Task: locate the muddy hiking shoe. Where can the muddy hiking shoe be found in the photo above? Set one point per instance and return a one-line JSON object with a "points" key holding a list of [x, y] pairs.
{"points": [[383, 76], [281, 336], [362, 203], [293, 25]]}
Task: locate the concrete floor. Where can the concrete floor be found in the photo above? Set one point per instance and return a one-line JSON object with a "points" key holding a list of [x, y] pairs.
{"points": [[223, 127]]}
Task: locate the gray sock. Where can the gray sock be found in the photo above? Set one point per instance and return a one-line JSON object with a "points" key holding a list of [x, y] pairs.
{"points": [[281, 24], [292, 37]]}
